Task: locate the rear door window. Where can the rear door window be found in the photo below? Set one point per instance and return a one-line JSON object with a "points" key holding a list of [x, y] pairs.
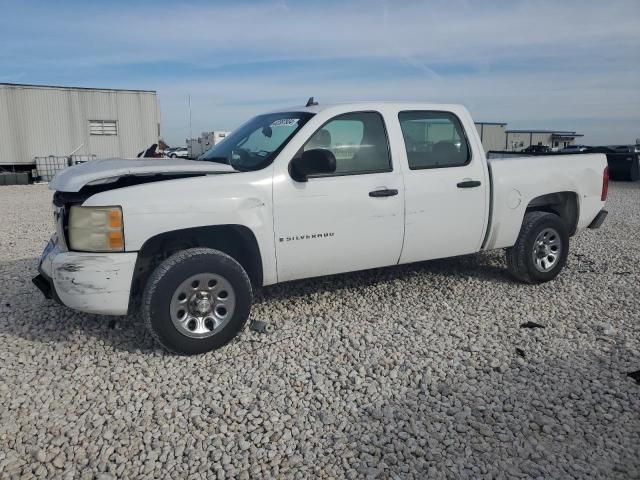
{"points": [[434, 140]]}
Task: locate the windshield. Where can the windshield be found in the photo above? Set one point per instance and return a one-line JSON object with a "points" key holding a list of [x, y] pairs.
{"points": [[256, 144]]}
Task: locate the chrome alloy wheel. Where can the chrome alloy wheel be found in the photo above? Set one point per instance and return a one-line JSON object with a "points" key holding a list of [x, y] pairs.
{"points": [[547, 249], [202, 305]]}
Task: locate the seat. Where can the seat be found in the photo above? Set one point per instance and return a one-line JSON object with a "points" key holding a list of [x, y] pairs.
{"points": [[372, 154], [444, 153], [321, 139]]}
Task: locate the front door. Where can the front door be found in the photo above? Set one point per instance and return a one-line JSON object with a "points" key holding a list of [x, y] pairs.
{"points": [[348, 220]]}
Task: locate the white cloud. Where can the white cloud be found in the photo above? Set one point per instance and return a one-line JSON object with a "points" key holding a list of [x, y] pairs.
{"points": [[455, 30], [546, 64], [605, 108]]}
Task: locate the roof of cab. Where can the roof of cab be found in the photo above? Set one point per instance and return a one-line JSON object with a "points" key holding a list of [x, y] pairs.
{"points": [[368, 105]]}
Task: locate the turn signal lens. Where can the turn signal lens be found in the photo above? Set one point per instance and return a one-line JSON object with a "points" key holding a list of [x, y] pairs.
{"points": [[115, 241], [96, 229], [115, 218]]}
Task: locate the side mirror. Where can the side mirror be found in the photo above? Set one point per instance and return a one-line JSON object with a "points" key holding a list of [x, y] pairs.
{"points": [[312, 162]]}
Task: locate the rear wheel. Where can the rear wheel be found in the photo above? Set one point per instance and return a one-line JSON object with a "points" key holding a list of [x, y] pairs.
{"points": [[541, 250], [196, 301]]}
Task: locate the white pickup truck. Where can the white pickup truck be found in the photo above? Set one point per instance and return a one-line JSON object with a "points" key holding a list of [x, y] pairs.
{"points": [[303, 192]]}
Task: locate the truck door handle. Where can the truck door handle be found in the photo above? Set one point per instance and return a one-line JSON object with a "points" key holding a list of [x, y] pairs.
{"points": [[385, 192], [469, 184]]}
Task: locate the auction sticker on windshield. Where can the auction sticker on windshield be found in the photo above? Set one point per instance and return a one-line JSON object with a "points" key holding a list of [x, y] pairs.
{"points": [[285, 122]]}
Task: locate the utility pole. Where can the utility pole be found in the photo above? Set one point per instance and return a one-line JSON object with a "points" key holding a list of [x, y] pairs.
{"points": [[190, 134]]}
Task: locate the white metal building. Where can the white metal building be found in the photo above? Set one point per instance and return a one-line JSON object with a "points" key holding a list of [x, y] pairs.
{"points": [[556, 139], [496, 137], [492, 135], [39, 121]]}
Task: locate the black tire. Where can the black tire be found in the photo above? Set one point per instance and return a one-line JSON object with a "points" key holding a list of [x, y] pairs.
{"points": [[520, 257], [169, 275], [173, 155]]}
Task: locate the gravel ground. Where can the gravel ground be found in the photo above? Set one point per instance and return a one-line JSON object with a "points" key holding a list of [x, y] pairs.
{"points": [[413, 371]]}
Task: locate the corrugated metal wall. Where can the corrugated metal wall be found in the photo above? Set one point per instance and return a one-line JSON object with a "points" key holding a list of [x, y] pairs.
{"points": [[518, 141], [41, 121], [493, 135]]}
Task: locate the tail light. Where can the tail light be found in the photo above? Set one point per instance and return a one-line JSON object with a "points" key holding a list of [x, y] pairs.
{"points": [[605, 184]]}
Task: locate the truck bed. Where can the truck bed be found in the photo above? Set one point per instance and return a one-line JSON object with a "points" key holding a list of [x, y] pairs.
{"points": [[518, 181]]}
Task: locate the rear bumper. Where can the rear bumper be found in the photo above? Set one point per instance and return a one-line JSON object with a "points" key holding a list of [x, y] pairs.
{"points": [[599, 220], [89, 282]]}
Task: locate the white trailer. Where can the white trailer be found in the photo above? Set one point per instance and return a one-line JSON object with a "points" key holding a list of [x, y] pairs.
{"points": [[44, 121], [198, 146]]}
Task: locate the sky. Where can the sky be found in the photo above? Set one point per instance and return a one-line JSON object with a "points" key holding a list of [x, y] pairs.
{"points": [[563, 64]]}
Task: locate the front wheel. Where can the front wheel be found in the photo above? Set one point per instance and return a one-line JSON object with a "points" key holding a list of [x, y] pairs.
{"points": [[541, 250], [197, 300]]}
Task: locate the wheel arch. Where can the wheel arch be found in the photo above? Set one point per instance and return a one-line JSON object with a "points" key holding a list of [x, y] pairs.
{"points": [[237, 241], [564, 204]]}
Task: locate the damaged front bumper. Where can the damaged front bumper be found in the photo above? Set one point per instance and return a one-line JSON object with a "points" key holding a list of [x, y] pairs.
{"points": [[89, 282], [45, 285]]}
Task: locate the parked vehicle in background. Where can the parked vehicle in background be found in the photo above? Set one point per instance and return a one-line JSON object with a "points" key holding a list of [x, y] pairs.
{"points": [[151, 152], [179, 152], [574, 149], [167, 151], [537, 149], [623, 161], [626, 148], [299, 193]]}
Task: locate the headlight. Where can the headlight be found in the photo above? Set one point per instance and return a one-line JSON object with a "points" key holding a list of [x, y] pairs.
{"points": [[96, 229]]}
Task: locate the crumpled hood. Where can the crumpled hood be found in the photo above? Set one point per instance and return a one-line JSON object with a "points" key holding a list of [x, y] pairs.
{"points": [[100, 171]]}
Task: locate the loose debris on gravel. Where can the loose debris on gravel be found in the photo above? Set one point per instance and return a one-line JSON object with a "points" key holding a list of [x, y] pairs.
{"points": [[531, 325], [260, 326], [406, 372]]}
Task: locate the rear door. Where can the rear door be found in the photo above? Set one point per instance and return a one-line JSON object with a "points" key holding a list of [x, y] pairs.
{"points": [[445, 187], [349, 220]]}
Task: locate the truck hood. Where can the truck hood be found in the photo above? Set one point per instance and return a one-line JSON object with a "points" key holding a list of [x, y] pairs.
{"points": [[103, 172]]}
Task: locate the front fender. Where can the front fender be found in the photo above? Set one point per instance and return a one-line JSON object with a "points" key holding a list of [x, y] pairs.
{"points": [[239, 199]]}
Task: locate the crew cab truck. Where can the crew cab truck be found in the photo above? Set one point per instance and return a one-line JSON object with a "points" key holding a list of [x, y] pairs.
{"points": [[303, 192]]}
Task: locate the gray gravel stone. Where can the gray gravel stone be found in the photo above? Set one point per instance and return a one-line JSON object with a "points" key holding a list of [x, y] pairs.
{"points": [[405, 372], [41, 456]]}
